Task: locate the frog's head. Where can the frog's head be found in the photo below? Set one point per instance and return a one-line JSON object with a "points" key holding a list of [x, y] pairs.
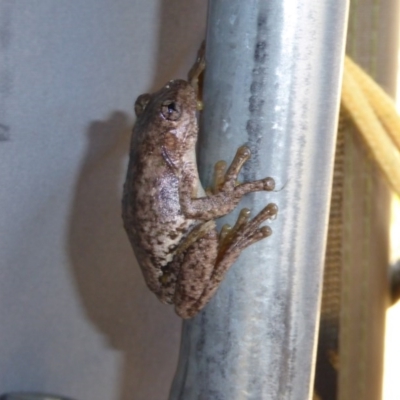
{"points": [[171, 103], [168, 117]]}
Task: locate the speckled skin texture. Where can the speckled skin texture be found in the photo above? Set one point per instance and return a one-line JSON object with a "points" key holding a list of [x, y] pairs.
{"points": [[167, 214]]}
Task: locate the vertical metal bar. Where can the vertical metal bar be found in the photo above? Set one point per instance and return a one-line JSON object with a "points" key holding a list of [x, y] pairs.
{"points": [[272, 81]]}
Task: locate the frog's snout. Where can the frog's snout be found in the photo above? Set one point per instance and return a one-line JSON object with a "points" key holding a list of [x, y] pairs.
{"points": [[178, 85], [182, 90]]}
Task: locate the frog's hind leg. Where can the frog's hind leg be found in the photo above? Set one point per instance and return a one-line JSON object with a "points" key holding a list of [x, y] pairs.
{"points": [[197, 265], [181, 268], [231, 243]]}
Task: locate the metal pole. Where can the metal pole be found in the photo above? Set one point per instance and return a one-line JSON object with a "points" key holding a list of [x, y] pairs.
{"points": [[272, 81]]}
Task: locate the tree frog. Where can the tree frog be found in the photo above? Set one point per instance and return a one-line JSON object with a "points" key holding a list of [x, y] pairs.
{"points": [[168, 216]]}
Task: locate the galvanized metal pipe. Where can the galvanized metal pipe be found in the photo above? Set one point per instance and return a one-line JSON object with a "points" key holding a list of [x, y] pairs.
{"points": [[272, 81]]}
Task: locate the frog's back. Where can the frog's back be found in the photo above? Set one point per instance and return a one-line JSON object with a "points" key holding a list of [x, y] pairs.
{"points": [[164, 132], [151, 210]]}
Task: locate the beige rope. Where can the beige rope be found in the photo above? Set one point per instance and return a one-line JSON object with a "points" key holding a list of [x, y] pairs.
{"points": [[374, 114], [382, 104]]}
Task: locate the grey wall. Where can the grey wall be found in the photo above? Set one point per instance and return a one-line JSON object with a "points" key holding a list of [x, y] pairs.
{"points": [[75, 316]]}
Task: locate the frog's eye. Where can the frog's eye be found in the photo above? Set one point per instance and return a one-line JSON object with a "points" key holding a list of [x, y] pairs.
{"points": [[141, 103], [170, 110]]}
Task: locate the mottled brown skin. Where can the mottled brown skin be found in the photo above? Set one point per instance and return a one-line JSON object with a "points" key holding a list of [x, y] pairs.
{"points": [[168, 216]]}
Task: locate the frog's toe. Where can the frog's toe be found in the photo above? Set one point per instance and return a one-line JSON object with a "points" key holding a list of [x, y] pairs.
{"points": [[219, 176], [224, 233], [243, 218], [265, 231], [269, 184], [256, 236], [228, 232], [243, 153], [268, 212]]}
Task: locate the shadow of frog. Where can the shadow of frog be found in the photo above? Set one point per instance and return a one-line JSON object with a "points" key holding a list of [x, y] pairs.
{"points": [[109, 282]]}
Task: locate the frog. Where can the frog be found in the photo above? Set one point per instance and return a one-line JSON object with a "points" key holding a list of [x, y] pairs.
{"points": [[170, 219]]}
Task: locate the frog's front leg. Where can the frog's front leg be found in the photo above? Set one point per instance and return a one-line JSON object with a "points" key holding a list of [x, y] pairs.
{"points": [[204, 263], [226, 192], [197, 70]]}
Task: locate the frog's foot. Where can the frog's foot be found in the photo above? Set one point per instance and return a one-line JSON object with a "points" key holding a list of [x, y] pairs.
{"points": [[199, 281], [195, 73], [199, 65], [245, 231], [225, 180]]}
